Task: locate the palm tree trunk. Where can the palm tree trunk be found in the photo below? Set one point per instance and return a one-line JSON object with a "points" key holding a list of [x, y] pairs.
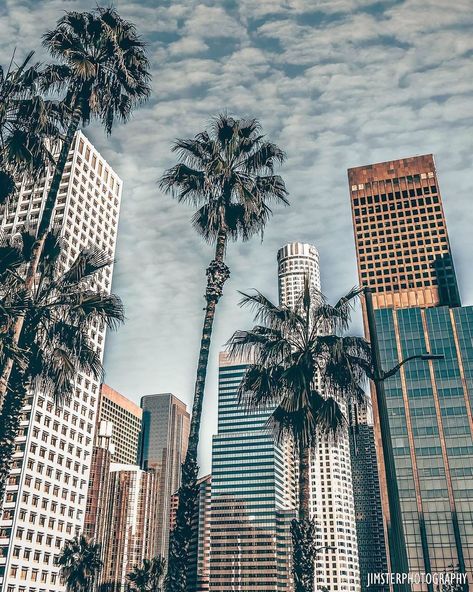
{"points": [[176, 579], [43, 228], [10, 422], [304, 530]]}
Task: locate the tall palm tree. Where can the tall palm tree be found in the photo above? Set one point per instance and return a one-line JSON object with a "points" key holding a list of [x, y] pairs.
{"points": [[80, 564], [148, 577], [228, 174], [28, 125], [104, 72], [54, 344], [290, 353]]}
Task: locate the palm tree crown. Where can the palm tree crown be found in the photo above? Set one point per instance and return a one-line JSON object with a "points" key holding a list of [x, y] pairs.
{"points": [[228, 173], [296, 356], [55, 344], [147, 578], [79, 563], [103, 64], [28, 124]]}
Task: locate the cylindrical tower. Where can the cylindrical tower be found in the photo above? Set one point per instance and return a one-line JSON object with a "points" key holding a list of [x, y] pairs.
{"points": [[332, 503], [295, 261]]}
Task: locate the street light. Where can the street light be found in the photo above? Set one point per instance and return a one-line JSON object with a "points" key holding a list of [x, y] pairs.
{"points": [[396, 539]]}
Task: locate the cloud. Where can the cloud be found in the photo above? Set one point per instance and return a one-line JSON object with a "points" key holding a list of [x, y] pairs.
{"points": [[335, 83]]}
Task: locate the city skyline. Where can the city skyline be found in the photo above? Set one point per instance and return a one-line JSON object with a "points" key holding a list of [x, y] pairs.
{"points": [[329, 117]]}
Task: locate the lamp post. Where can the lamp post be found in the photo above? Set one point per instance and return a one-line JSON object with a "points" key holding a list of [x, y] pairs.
{"points": [[396, 539]]}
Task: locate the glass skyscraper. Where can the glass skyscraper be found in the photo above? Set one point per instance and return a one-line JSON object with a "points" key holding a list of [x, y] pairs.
{"points": [[253, 497], [404, 255], [163, 448]]}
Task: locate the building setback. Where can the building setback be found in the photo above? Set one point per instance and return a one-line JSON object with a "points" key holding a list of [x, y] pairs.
{"points": [[163, 448], [404, 256], [332, 503], [45, 499], [252, 499]]}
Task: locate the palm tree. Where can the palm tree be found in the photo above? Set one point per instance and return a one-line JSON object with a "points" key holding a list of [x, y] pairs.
{"points": [[148, 577], [105, 73], [80, 564], [290, 352], [228, 173], [28, 125], [59, 313]]}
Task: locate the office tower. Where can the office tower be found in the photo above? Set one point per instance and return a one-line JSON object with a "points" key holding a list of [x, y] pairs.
{"points": [[164, 444], [401, 238], [98, 492], [45, 497], [199, 551], [126, 419], [252, 497], [131, 529], [295, 261], [418, 311], [367, 500], [331, 480]]}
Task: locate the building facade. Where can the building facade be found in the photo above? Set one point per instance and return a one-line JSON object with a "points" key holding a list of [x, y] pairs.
{"points": [[131, 532], [367, 499], [401, 238], [165, 433], [295, 261], [98, 493], [332, 501], [252, 498], [125, 416], [418, 310], [45, 499]]}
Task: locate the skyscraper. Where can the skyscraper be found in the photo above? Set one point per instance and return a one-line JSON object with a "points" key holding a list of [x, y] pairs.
{"points": [[46, 491], [98, 493], [295, 261], [117, 433], [404, 256], [125, 417], [130, 535], [331, 479], [401, 238], [164, 443], [252, 499]]}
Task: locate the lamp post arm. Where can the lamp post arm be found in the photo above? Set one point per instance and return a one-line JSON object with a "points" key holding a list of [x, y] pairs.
{"points": [[388, 373]]}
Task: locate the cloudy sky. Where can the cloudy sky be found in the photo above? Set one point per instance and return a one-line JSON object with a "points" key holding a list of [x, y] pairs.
{"points": [[336, 83]]}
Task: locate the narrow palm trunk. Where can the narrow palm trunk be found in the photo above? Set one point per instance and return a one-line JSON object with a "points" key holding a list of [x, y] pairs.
{"points": [[37, 250], [10, 422], [304, 530], [176, 579]]}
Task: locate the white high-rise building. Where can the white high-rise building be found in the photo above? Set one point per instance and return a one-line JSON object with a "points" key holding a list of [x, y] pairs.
{"points": [[295, 261], [45, 499], [337, 566]]}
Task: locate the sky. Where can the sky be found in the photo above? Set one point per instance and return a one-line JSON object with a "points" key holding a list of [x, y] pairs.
{"points": [[335, 83]]}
